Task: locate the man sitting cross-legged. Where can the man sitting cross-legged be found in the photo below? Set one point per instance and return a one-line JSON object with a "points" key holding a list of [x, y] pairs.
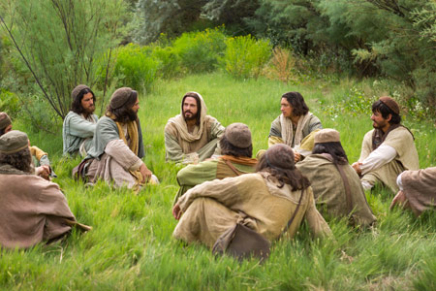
{"points": [[236, 160], [117, 145], [192, 136], [32, 210]]}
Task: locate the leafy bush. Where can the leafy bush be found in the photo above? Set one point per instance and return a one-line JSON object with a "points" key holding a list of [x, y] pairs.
{"points": [[169, 62], [9, 102], [200, 51], [135, 67], [245, 56]]}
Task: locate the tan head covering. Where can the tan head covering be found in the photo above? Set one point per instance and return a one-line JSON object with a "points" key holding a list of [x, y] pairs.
{"points": [[13, 141], [327, 135], [5, 120], [391, 103], [77, 90], [238, 134], [120, 97]]}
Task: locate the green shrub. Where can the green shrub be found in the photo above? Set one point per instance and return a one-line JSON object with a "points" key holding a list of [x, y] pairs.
{"points": [[9, 102], [135, 67], [199, 51], [245, 56], [169, 63]]}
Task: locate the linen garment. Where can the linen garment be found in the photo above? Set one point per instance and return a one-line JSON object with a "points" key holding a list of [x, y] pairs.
{"points": [[283, 131], [255, 200], [116, 153], [193, 175], [329, 190], [406, 157], [77, 133], [32, 209], [420, 189], [192, 147]]}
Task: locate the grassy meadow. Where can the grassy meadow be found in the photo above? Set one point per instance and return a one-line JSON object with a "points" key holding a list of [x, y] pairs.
{"points": [[131, 245]]}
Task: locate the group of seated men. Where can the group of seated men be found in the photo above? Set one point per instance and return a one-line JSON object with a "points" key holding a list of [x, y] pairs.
{"points": [[222, 185]]}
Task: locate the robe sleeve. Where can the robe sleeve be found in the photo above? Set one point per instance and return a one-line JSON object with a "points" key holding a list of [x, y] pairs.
{"points": [[366, 146], [173, 151], [53, 205], [81, 127], [122, 154], [317, 224], [224, 191], [217, 131]]}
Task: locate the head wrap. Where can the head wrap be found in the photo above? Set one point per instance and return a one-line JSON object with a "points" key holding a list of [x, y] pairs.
{"points": [[120, 97], [5, 120], [327, 135], [391, 103], [238, 134], [13, 141], [77, 90]]}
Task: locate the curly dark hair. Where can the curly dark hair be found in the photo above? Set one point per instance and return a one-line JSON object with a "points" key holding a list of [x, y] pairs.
{"points": [[76, 106], [379, 106], [299, 107], [228, 149], [125, 113], [21, 160], [278, 160], [335, 149]]}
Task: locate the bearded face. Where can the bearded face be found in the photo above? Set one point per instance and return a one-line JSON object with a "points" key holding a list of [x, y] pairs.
{"points": [[190, 108]]}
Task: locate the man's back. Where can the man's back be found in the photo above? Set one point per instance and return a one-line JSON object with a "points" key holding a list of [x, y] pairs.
{"points": [[32, 210]]}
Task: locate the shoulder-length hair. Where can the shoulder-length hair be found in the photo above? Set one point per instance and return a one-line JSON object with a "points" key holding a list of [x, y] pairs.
{"points": [[334, 149], [76, 106], [125, 113], [299, 107], [21, 160], [228, 149], [278, 160]]}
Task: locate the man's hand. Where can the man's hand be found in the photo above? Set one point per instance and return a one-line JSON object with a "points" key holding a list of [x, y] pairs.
{"points": [[297, 157], [145, 172], [177, 212], [43, 172], [356, 167], [401, 200]]}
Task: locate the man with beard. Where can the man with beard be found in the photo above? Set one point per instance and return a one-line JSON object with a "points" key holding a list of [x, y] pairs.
{"points": [[32, 210], [388, 149], [41, 164], [192, 136], [236, 149], [117, 149], [79, 124]]}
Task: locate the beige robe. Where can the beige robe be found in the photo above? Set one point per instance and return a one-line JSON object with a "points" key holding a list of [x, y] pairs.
{"points": [[329, 190], [192, 147], [255, 200], [32, 210], [420, 189], [407, 157]]}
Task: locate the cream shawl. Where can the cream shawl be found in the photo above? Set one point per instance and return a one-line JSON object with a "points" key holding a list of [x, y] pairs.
{"points": [[287, 129], [182, 128]]}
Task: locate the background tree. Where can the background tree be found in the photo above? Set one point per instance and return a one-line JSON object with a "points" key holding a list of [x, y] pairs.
{"points": [[61, 43]]}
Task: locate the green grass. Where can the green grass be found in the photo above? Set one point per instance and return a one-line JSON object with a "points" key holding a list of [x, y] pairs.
{"points": [[131, 245]]}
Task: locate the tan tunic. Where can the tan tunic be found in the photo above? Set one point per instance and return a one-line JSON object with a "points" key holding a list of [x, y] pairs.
{"points": [[407, 157], [329, 190], [32, 210], [420, 189], [213, 207]]}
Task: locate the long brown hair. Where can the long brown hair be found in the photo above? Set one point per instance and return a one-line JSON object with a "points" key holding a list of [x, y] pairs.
{"points": [[278, 160]]}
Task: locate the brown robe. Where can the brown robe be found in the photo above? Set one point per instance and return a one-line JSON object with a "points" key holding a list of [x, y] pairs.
{"points": [[254, 200], [32, 210], [420, 189]]}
